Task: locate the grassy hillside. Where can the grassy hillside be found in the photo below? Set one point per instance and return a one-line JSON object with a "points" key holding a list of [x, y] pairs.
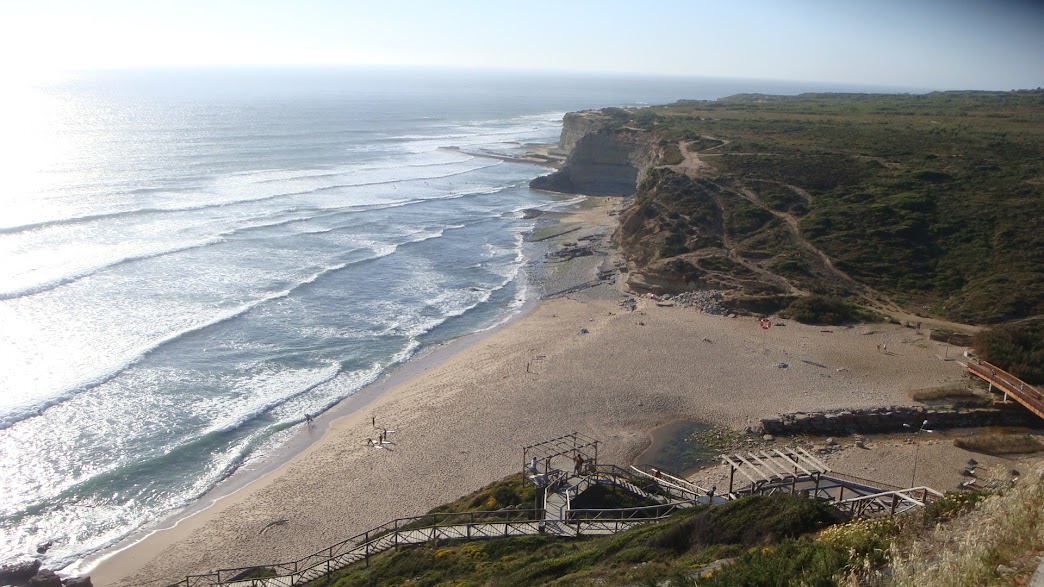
{"points": [[932, 202], [761, 541]]}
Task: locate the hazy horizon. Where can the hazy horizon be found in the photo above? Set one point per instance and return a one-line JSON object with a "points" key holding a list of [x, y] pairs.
{"points": [[924, 45]]}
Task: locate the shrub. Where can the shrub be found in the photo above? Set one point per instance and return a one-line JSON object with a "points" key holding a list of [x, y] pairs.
{"points": [[793, 562], [748, 521], [825, 310], [1017, 347]]}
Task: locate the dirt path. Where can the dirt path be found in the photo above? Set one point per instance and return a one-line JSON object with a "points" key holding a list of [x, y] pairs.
{"points": [[694, 167]]}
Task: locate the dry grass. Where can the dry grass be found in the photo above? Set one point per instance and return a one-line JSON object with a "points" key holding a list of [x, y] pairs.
{"points": [[1001, 444], [999, 543]]}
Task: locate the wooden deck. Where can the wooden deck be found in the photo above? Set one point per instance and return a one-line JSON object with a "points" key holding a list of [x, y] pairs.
{"points": [[1008, 384]]}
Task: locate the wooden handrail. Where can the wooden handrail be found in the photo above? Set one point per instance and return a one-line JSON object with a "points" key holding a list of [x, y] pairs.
{"points": [[1024, 393]]}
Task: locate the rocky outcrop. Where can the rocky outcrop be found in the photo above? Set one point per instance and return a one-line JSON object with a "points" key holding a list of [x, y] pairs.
{"points": [[15, 573], [602, 161], [894, 419], [29, 574]]}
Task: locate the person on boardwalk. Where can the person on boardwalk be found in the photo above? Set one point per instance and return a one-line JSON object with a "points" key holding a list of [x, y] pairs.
{"points": [[578, 463], [533, 466]]}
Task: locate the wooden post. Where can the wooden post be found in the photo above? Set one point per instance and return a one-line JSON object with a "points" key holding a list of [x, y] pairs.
{"points": [[732, 473]]}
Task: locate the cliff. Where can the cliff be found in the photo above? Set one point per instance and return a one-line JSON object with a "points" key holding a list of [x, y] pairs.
{"points": [[577, 125], [603, 160], [924, 202]]}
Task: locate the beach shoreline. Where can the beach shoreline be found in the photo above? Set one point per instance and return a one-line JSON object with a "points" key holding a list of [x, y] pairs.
{"points": [[579, 361], [127, 554]]}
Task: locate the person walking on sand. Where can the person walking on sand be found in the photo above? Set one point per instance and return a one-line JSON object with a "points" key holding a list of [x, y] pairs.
{"points": [[309, 419]]}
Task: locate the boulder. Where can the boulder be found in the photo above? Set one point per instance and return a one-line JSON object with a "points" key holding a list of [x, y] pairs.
{"points": [[45, 578], [78, 582], [18, 572]]}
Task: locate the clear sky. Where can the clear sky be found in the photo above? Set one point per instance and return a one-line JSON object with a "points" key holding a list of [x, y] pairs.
{"points": [[956, 44]]}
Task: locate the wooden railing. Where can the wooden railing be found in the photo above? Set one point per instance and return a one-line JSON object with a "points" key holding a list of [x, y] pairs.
{"points": [[445, 526], [401, 531], [887, 502], [1010, 385]]}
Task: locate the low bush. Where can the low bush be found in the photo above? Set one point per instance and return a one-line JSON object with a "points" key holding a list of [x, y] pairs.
{"points": [[826, 310], [1017, 347]]}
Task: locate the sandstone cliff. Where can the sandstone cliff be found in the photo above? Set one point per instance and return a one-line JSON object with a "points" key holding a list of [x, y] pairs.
{"points": [[602, 160]]}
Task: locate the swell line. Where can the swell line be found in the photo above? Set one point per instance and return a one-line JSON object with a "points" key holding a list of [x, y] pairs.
{"points": [[147, 349], [193, 208], [242, 310], [47, 285], [50, 284]]}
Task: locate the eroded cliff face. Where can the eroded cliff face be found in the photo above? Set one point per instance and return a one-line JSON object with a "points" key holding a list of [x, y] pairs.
{"points": [[602, 161], [576, 125]]}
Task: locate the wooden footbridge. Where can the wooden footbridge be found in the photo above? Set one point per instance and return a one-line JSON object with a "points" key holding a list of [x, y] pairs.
{"points": [[1008, 384], [554, 513], [796, 471]]}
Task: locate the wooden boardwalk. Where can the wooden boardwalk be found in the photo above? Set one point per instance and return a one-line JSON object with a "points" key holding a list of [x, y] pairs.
{"points": [[1008, 384], [792, 471], [557, 518]]}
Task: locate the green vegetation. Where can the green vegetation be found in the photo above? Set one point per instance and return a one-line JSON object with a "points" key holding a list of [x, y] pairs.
{"points": [[932, 201], [512, 492], [985, 540], [653, 552], [671, 155], [1017, 348], [825, 310], [778, 540]]}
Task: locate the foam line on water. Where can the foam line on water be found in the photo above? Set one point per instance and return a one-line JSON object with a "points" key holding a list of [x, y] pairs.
{"points": [[9, 420], [380, 251], [50, 284], [226, 203]]}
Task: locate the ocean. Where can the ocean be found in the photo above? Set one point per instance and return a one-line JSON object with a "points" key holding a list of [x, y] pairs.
{"points": [[191, 261]]}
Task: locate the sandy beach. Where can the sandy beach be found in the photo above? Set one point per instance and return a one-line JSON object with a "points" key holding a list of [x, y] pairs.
{"points": [[574, 362]]}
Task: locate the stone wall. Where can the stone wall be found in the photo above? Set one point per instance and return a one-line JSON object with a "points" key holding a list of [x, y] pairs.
{"points": [[877, 420]]}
